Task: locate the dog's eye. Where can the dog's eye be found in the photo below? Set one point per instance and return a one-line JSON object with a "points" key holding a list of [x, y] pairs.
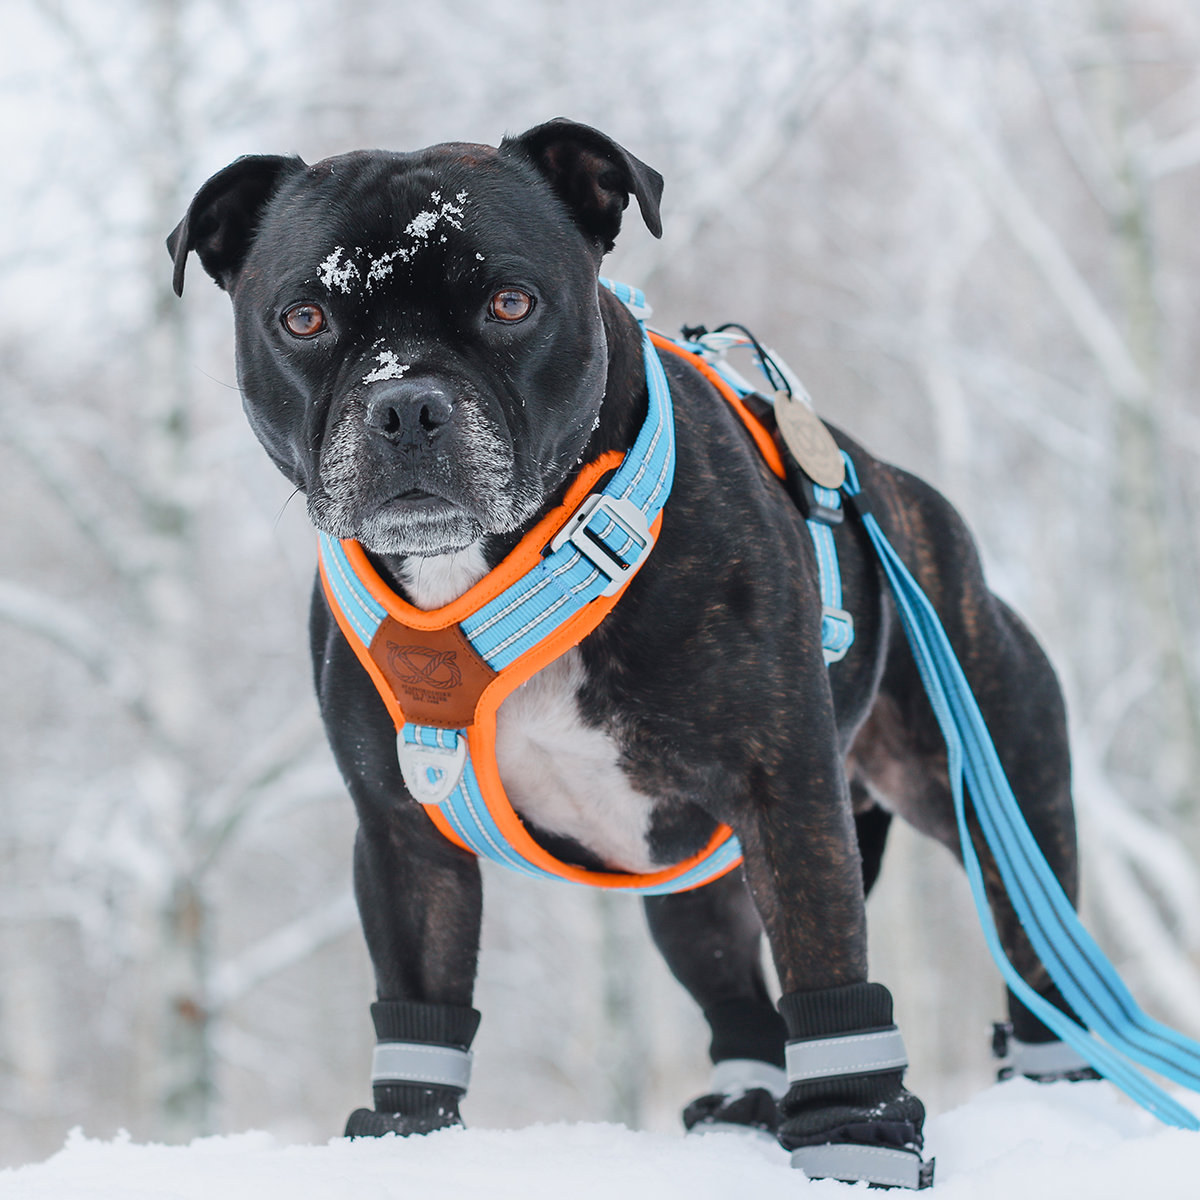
{"points": [[304, 320], [510, 305]]}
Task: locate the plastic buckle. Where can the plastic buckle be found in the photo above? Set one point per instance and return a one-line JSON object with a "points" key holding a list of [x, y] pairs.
{"points": [[627, 516], [431, 773], [842, 617], [810, 506]]}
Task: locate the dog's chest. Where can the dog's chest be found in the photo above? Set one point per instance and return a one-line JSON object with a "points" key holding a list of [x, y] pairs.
{"points": [[559, 773]]}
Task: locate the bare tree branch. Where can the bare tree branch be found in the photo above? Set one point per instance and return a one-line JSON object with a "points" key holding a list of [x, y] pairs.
{"points": [[754, 154], [223, 812], [73, 632], [1040, 243], [125, 552], [281, 949]]}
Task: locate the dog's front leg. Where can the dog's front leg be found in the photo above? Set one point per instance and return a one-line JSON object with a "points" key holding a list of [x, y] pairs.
{"points": [[711, 938], [420, 901], [846, 1112]]}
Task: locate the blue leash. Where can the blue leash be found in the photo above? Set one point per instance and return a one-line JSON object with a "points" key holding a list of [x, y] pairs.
{"points": [[1077, 965]]}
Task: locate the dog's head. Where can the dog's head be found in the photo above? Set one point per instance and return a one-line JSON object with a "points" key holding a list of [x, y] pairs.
{"points": [[419, 339]]}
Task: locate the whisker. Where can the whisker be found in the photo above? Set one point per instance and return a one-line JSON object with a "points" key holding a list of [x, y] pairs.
{"points": [[283, 508]]}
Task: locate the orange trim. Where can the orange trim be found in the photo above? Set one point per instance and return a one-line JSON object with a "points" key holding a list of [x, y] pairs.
{"points": [[762, 439], [520, 561]]}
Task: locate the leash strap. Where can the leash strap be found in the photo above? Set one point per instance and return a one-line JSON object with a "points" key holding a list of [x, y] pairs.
{"points": [[1077, 965]]}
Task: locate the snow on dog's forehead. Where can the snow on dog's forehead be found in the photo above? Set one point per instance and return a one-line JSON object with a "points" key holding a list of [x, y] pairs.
{"points": [[360, 223]]}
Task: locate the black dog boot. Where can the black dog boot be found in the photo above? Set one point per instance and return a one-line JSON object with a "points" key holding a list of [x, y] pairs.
{"points": [[420, 1070], [747, 1077], [847, 1114], [1031, 1049], [742, 1098]]}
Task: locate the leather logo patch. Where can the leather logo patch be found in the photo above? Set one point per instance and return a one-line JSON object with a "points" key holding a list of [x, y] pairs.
{"points": [[435, 675], [418, 666]]}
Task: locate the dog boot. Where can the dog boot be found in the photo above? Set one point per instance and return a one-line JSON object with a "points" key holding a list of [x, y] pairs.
{"points": [[1043, 1061], [742, 1098], [747, 1076], [847, 1114], [420, 1070], [1032, 1049]]}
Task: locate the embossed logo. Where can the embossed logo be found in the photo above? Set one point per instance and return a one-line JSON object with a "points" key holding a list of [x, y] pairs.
{"points": [[420, 667]]}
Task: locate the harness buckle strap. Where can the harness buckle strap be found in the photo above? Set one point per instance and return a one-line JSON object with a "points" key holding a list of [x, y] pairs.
{"points": [[631, 526], [420, 1062], [837, 633], [431, 773], [846, 1054]]}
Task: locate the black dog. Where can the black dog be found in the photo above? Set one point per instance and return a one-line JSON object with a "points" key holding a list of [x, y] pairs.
{"points": [[424, 351]]}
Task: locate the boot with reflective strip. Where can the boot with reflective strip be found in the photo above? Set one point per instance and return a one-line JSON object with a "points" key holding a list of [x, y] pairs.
{"points": [[842, 1056], [420, 1069], [846, 1114]]}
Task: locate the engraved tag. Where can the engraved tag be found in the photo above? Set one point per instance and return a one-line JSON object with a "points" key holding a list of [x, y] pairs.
{"points": [[811, 444]]}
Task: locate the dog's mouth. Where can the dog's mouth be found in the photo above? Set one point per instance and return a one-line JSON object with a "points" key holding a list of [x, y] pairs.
{"points": [[417, 502]]}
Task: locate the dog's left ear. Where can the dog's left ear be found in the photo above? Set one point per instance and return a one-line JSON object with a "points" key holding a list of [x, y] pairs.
{"points": [[222, 218], [592, 175]]}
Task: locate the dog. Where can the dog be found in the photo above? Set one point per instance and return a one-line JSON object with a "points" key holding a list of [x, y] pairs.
{"points": [[425, 352]]}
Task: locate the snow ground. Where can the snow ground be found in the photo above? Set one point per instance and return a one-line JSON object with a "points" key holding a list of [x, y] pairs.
{"points": [[1016, 1140]]}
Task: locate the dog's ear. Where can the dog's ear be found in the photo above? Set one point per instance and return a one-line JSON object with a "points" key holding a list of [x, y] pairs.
{"points": [[221, 220], [592, 175]]}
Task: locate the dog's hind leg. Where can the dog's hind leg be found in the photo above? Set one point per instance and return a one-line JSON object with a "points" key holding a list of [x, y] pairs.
{"points": [[711, 938]]}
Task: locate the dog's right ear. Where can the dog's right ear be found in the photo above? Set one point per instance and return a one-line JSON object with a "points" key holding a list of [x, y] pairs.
{"points": [[222, 219]]}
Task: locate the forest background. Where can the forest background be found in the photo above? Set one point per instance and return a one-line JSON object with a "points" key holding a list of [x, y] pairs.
{"points": [[969, 225]]}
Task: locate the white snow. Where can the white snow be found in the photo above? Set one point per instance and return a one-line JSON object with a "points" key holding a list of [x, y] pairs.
{"points": [[336, 274], [424, 223], [1016, 1140], [390, 367]]}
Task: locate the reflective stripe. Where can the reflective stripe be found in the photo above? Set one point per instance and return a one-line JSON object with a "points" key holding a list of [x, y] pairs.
{"points": [[1044, 1058], [848, 1054], [416, 1062], [733, 1076], [870, 1164]]}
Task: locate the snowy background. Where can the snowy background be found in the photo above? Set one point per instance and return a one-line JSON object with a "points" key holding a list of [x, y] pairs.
{"points": [[969, 226]]}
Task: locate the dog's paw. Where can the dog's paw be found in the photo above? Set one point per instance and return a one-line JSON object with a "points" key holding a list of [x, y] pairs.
{"points": [[752, 1111], [366, 1122]]}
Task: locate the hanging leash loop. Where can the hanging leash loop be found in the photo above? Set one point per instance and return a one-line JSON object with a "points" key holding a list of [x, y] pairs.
{"points": [[1074, 961]]}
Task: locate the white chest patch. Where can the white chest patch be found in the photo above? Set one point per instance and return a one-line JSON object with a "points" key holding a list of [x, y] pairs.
{"points": [[566, 777], [435, 581]]}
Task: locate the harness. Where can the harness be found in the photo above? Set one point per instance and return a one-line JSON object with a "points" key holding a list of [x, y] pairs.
{"points": [[444, 673]]}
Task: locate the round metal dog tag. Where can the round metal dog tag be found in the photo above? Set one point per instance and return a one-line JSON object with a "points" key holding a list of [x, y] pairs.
{"points": [[811, 444]]}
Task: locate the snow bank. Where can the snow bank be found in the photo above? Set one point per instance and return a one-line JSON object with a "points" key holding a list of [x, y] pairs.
{"points": [[1015, 1140]]}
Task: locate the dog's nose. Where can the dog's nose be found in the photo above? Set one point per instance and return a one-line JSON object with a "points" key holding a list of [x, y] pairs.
{"points": [[407, 408]]}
